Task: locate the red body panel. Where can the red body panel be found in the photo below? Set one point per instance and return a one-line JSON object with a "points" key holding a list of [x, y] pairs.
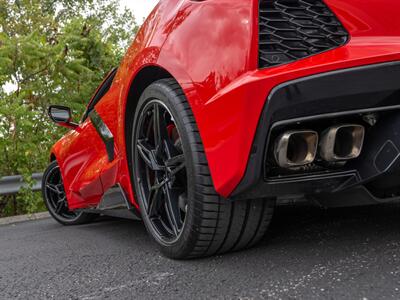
{"points": [[211, 49]]}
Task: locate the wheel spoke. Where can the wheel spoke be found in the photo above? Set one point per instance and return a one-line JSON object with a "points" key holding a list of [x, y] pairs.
{"points": [[148, 156], [175, 161], [159, 185], [60, 205], [170, 149], [162, 185], [172, 209], [156, 125], [154, 202], [176, 164], [161, 137], [52, 187]]}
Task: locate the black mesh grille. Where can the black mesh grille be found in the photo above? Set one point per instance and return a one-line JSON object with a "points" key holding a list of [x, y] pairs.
{"points": [[294, 29]]}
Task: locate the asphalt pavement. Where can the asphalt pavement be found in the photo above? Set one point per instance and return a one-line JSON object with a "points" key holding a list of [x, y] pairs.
{"points": [[309, 253]]}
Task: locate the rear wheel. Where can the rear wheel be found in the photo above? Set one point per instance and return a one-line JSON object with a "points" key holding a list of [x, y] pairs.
{"points": [[56, 201], [179, 205]]}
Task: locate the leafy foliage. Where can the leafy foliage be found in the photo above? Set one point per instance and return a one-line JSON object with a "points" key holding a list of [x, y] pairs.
{"points": [[51, 52]]}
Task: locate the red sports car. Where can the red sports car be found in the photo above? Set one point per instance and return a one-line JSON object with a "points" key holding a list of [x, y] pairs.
{"points": [[222, 109]]}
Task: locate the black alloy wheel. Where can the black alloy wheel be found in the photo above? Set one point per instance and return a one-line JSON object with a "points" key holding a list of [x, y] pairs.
{"points": [[56, 200], [173, 186], [161, 171]]}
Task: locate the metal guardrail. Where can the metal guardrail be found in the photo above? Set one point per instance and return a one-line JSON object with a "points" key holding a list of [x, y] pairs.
{"points": [[11, 185]]}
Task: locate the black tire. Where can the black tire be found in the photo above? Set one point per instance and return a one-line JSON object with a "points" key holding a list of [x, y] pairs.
{"points": [[212, 225], [64, 216]]}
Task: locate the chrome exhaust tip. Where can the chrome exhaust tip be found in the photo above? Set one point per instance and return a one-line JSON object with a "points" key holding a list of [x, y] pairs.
{"points": [[342, 142], [296, 148]]}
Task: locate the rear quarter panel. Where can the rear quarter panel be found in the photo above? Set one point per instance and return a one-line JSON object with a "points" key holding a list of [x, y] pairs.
{"points": [[212, 50], [212, 44]]}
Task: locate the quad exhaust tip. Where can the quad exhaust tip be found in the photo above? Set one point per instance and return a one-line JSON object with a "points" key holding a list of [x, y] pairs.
{"points": [[296, 148], [342, 142]]}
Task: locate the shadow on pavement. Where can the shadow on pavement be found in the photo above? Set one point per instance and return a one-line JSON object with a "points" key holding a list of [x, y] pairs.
{"points": [[296, 227], [309, 253]]}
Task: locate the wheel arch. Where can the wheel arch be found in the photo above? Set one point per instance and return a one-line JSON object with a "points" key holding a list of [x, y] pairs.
{"points": [[52, 157], [144, 78]]}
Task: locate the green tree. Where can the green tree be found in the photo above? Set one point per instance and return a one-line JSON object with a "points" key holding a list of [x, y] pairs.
{"points": [[51, 52]]}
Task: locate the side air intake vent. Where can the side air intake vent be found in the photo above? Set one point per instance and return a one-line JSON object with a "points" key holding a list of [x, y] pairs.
{"points": [[295, 29]]}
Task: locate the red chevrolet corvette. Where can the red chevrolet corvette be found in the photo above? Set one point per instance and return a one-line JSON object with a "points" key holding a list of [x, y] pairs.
{"points": [[222, 109]]}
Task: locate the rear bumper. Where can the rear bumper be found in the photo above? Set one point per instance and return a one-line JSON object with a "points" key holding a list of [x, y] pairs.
{"points": [[328, 97]]}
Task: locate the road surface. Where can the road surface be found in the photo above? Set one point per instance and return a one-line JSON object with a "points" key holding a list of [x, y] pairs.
{"points": [[309, 253]]}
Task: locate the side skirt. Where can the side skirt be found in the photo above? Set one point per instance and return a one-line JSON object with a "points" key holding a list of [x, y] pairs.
{"points": [[115, 204]]}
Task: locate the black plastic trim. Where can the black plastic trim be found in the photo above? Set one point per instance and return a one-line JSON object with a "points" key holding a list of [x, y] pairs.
{"points": [[101, 91], [114, 198], [104, 132], [345, 91], [357, 196], [62, 122], [379, 159], [291, 30]]}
